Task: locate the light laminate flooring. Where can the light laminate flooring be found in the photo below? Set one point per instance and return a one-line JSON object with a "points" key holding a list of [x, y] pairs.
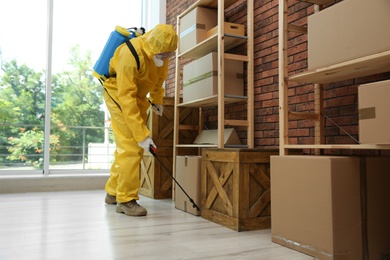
{"points": [[79, 225]]}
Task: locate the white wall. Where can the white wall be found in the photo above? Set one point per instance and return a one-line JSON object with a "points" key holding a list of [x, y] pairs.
{"points": [[153, 12]]}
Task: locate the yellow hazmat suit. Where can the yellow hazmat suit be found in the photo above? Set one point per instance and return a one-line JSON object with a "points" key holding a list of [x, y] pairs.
{"points": [[125, 97]]}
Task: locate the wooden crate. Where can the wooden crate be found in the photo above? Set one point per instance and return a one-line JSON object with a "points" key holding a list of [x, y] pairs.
{"points": [[235, 189], [161, 127], [155, 181]]}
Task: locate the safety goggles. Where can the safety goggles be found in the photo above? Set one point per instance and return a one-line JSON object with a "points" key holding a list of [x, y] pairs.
{"points": [[165, 55]]}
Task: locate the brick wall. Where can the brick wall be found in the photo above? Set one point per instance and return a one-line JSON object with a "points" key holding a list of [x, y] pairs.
{"points": [[340, 99]]}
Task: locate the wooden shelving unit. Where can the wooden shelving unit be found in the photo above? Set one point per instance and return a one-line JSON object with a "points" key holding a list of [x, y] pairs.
{"points": [[369, 65], [219, 43]]}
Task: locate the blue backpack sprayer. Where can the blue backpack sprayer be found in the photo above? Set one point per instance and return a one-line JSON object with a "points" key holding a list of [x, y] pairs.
{"points": [[101, 72], [117, 37]]}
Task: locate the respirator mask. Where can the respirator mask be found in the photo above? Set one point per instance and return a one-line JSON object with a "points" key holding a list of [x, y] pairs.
{"points": [[159, 58]]}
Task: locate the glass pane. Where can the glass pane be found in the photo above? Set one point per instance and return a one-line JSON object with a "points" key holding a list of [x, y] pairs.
{"points": [[22, 84], [80, 140]]}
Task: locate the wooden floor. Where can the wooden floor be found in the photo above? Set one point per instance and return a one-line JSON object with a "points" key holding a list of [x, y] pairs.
{"points": [[79, 225]]}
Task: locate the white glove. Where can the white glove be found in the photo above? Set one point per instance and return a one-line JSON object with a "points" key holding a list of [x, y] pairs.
{"points": [[146, 143], [158, 109]]}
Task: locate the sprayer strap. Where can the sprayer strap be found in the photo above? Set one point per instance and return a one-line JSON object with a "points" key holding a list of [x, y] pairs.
{"points": [[116, 103], [131, 47]]}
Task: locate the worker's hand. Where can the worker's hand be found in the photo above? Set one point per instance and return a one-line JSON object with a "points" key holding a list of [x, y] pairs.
{"points": [[146, 143], [158, 109]]}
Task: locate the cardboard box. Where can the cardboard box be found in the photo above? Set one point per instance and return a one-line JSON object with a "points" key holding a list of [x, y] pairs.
{"points": [[211, 137], [188, 172], [315, 208], [200, 78], [378, 207], [230, 28], [155, 181], [348, 30], [194, 27], [316, 205], [374, 113]]}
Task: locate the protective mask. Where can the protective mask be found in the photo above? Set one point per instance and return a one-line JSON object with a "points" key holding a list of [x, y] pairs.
{"points": [[158, 61]]}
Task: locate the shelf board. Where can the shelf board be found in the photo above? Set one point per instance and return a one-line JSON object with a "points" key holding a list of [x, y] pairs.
{"points": [[197, 145], [212, 101], [369, 65], [338, 146], [209, 146], [211, 45], [318, 2], [207, 3]]}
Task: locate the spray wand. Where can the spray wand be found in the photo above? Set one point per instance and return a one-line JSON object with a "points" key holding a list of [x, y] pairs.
{"points": [[152, 150]]}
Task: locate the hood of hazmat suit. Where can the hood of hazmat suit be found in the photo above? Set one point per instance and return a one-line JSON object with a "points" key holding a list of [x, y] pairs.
{"points": [[162, 38]]}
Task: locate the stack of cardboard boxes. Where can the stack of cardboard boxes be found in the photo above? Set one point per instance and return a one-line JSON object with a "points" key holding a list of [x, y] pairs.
{"points": [[200, 76], [335, 207]]}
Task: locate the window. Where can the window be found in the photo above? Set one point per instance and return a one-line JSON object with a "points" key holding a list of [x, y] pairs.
{"points": [[80, 29]]}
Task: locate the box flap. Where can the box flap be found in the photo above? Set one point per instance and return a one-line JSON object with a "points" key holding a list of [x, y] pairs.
{"points": [[211, 137]]}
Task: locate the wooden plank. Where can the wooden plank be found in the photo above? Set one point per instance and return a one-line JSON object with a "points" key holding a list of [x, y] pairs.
{"points": [[221, 191], [226, 172], [208, 4], [250, 74], [241, 190], [303, 115], [297, 28], [339, 146], [261, 203], [254, 224], [197, 145], [238, 57], [221, 155], [188, 127], [236, 122], [317, 2], [213, 101], [221, 74], [283, 83], [369, 65], [176, 113], [222, 219], [211, 45], [319, 124], [260, 175]]}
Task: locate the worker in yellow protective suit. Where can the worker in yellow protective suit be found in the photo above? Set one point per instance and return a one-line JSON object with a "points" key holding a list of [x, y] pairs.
{"points": [[126, 99]]}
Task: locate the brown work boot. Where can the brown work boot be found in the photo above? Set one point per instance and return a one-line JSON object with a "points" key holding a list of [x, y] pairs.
{"points": [[131, 208], [110, 199]]}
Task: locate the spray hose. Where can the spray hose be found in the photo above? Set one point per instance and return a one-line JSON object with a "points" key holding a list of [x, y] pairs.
{"points": [[152, 150]]}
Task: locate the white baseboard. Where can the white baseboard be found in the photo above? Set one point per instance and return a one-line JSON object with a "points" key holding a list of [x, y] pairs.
{"points": [[43, 183]]}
